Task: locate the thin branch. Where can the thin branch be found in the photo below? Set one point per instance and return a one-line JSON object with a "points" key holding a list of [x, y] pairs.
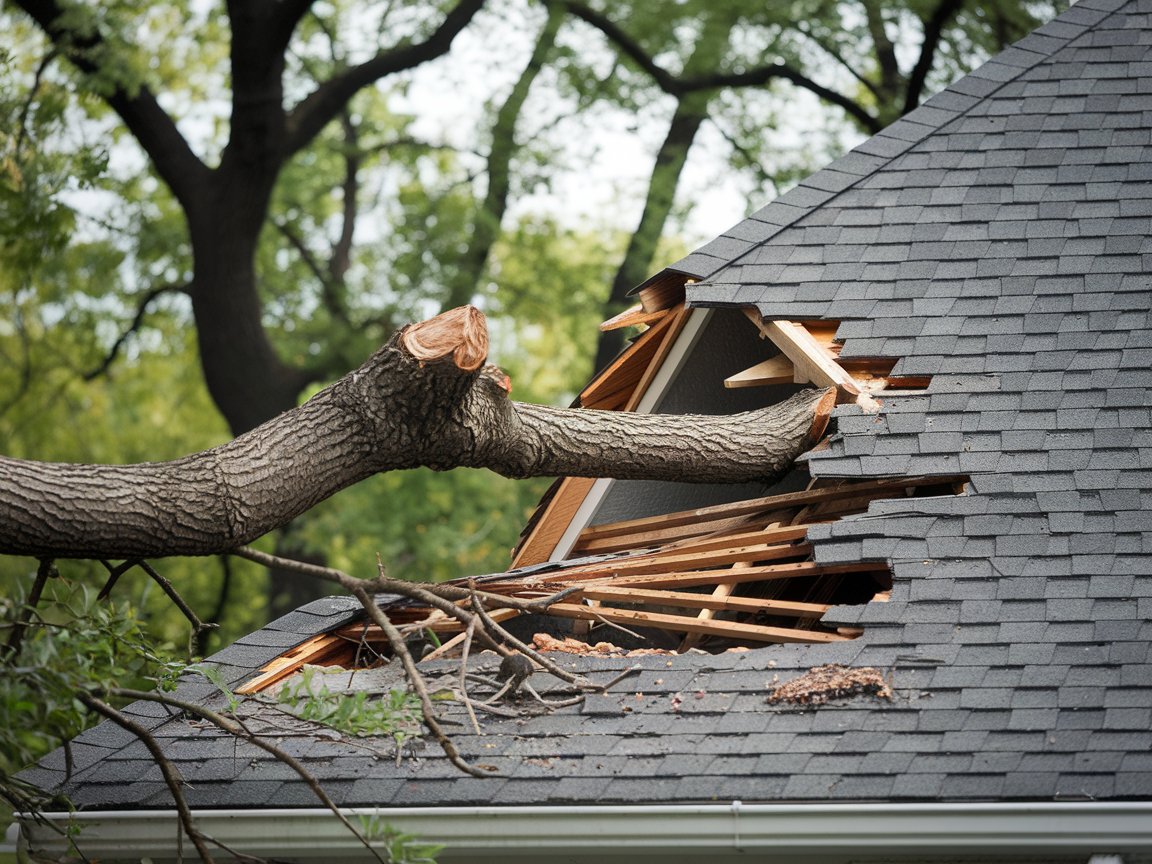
{"points": [[44, 571], [934, 26], [180, 168], [835, 54], [677, 86], [416, 682], [171, 776], [167, 587], [236, 727], [137, 321], [464, 674], [114, 574], [324, 103], [26, 108]]}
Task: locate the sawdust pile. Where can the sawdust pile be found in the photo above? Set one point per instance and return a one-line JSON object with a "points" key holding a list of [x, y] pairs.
{"points": [[832, 681]]}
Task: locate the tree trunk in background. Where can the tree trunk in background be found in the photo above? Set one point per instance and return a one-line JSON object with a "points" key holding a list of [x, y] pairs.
{"points": [[691, 112], [504, 147]]}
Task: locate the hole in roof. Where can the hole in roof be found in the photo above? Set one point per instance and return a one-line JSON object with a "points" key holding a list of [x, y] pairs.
{"points": [[733, 576], [677, 567]]}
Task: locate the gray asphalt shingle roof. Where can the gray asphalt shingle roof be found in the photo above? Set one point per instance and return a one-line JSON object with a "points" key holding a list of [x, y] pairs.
{"points": [[998, 239]]}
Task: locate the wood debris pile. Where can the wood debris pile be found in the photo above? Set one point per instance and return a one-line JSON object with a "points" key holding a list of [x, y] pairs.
{"points": [[832, 681]]}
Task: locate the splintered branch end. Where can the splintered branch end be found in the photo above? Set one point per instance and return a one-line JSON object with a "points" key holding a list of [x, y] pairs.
{"points": [[461, 333]]}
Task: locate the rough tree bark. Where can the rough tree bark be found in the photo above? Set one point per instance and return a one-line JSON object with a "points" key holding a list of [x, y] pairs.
{"points": [[424, 399]]}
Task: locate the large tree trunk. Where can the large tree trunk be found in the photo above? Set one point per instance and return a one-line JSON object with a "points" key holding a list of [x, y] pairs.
{"points": [[424, 399]]}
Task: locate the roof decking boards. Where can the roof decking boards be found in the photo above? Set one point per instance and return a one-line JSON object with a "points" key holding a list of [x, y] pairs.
{"points": [[999, 240]]}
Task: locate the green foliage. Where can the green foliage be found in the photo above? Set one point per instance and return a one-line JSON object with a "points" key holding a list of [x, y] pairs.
{"points": [[396, 715], [72, 643], [400, 848]]}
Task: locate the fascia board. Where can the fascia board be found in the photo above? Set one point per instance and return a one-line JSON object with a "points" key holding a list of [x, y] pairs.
{"points": [[649, 402], [834, 832]]}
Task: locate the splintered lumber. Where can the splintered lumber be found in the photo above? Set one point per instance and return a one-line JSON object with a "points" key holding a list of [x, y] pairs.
{"points": [[729, 539], [634, 316], [774, 370], [665, 562], [696, 578], [680, 534], [315, 651], [753, 506], [630, 365], [812, 360], [691, 624], [721, 592], [676, 321], [707, 602]]}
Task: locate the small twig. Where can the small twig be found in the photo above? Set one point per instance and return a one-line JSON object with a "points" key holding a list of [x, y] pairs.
{"points": [[631, 670], [44, 571], [528, 650], [464, 674], [614, 625], [114, 574], [416, 681], [171, 776]]}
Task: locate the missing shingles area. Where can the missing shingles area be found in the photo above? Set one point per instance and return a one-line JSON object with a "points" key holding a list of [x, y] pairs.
{"points": [[832, 681]]}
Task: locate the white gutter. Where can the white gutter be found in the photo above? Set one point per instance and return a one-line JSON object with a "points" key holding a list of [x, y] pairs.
{"points": [[828, 832]]}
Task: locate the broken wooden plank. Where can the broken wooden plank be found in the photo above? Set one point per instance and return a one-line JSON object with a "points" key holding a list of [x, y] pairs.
{"points": [[758, 573], [634, 316], [774, 370], [713, 602], [681, 533], [752, 506], [673, 563], [814, 361], [676, 321], [721, 592], [314, 651], [691, 624], [633, 360]]}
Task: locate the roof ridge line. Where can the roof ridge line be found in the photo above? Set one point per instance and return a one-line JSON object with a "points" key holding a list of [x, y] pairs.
{"points": [[830, 194]]}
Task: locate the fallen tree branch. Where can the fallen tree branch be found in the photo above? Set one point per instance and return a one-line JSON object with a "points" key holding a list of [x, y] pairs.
{"points": [[424, 399], [234, 726], [171, 775]]}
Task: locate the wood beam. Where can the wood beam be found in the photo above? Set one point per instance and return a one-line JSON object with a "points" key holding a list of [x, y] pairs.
{"points": [[774, 370]]}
